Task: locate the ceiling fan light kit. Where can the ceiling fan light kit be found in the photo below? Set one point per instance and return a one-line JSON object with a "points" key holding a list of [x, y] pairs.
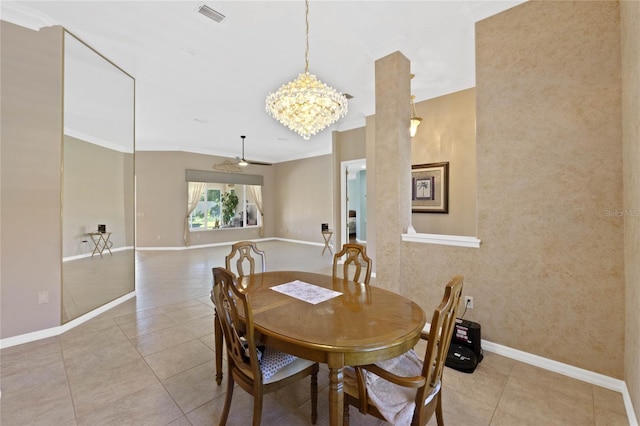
{"points": [[306, 105]]}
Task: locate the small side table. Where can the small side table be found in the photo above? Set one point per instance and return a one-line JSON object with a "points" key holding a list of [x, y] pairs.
{"points": [[327, 240], [100, 242]]}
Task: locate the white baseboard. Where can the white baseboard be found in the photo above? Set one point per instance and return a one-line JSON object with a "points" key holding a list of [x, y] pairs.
{"points": [[569, 371], [197, 246], [55, 331], [84, 255], [227, 243], [298, 241]]}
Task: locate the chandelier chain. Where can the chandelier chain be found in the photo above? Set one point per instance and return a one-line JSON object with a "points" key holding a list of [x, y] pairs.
{"points": [[306, 50]]}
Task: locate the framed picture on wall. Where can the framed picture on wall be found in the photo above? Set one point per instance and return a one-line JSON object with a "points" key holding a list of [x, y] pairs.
{"points": [[430, 188]]}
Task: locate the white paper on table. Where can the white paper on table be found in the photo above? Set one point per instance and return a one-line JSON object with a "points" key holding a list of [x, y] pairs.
{"points": [[306, 292]]}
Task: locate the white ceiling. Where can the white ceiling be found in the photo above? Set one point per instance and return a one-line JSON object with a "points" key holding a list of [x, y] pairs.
{"points": [[201, 84]]}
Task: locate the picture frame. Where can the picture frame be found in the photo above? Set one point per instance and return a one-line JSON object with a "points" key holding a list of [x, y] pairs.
{"points": [[430, 188]]}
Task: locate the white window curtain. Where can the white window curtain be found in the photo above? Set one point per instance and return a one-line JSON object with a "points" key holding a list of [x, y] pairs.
{"points": [[255, 192], [195, 191]]}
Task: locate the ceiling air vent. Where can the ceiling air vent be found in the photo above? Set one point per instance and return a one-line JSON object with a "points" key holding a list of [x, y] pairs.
{"points": [[210, 13]]}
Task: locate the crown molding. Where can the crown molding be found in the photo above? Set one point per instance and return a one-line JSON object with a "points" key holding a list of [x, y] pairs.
{"points": [[25, 16]]}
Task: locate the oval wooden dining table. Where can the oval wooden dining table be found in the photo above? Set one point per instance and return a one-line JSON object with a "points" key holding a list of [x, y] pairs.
{"points": [[363, 325]]}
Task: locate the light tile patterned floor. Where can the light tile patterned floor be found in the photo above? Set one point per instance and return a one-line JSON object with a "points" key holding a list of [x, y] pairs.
{"points": [[149, 361]]}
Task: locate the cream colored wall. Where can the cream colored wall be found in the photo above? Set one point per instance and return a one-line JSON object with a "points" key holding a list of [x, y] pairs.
{"points": [[630, 34], [548, 277], [94, 192], [448, 133], [304, 198], [347, 146], [162, 199], [31, 154]]}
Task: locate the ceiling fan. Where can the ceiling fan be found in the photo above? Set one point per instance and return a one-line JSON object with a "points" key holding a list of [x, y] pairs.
{"points": [[244, 162]]}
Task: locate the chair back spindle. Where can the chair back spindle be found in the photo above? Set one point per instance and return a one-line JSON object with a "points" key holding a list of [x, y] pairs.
{"points": [[247, 253], [356, 258]]}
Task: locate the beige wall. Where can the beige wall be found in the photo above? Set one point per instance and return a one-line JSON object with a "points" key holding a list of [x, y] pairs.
{"points": [[161, 191], [347, 146], [304, 198], [94, 193], [630, 26], [31, 154], [294, 208], [448, 133], [548, 278]]}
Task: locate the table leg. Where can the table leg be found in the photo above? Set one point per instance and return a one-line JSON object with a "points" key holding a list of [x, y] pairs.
{"points": [[95, 247], [326, 235], [217, 332], [335, 363], [106, 244]]}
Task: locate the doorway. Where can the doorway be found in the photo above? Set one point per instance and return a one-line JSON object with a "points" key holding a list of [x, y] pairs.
{"points": [[353, 210]]}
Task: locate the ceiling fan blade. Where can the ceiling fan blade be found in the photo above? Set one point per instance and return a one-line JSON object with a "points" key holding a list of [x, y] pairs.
{"points": [[258, 163]]}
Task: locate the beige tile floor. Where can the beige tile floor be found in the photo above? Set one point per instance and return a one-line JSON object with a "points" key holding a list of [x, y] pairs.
{"points": [[112, 277], [149, 361]]}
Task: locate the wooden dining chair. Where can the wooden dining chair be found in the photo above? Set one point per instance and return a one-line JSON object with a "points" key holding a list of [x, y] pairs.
{"points": [[407, 390], [256, 369], [356, 258], [247, 253]]}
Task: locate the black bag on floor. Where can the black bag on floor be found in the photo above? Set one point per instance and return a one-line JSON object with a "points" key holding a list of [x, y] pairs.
{"points": [[465, 351]]}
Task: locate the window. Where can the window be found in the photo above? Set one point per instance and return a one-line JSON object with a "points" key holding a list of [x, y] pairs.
{"points": [[206, 214], [217, 200], [224, 206]]}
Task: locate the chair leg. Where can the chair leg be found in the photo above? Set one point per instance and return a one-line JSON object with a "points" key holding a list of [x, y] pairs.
{"points": [[439, 418], [257, 408], [314, 394], [345, 412], [217, 329], [227, 401]]}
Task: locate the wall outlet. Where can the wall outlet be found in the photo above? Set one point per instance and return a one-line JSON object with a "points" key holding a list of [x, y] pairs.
{"points": [[468, 302], [43, 297]]}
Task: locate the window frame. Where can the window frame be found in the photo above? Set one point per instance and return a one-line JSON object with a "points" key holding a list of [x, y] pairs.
{"points": [[241, 192]]}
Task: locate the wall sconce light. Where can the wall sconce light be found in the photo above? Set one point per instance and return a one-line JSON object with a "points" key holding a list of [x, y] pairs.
{"points": [[415, 120]]}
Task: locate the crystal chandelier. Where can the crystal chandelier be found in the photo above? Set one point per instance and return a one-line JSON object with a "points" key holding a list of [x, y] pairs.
{"points": [[306, 105]]}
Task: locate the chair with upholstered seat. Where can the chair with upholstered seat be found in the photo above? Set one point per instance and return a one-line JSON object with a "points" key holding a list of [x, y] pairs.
{"points": [[356, 258], [256, 369], [405, 390], [247, 253]]}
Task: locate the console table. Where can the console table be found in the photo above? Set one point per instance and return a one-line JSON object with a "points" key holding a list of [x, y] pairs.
{"points": [[326, 234], [100, 242]]}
